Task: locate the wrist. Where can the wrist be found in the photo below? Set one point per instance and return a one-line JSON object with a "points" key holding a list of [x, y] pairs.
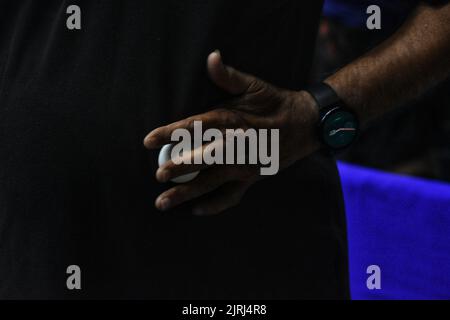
{"points": [[309, 106], [306, 117]]}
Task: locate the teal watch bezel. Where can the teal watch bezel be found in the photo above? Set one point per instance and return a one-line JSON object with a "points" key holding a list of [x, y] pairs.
{"points": [[329, 105], [341, 142]]}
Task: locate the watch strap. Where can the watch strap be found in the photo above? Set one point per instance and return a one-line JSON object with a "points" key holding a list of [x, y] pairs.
{"points": [[323, 94]]}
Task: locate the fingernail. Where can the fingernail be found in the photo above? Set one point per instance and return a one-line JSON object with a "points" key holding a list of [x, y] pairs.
{"points": [[163, 204], [217, 51], [149, 141]]}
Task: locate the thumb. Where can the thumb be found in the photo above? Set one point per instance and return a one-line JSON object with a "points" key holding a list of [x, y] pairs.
{"points": [[226, 77]]}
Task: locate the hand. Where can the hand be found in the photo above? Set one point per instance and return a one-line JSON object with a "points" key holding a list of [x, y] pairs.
{"points": [[258, 105]]}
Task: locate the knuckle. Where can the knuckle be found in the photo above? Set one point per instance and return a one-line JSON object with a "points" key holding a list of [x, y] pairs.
{"points": [[227, 118], [190, 123], [255, 86], [179, 192], [232, 120]]}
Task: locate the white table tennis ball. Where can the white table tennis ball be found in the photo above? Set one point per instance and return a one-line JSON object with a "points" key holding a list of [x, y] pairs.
{"points": [[164, 156]]}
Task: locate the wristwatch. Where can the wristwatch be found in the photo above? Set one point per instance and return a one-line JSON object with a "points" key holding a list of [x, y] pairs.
{"points": [[338, 126]]}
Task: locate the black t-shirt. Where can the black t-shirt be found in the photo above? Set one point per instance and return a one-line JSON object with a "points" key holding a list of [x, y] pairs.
{"points": [[77, 186]]}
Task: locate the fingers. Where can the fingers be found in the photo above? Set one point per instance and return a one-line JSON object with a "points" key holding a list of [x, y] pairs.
{"points": [[162, 135], [228, 78], [224, 198], [183, 164], [215, 178], [170, 170], [213, 119], [206, 182]]}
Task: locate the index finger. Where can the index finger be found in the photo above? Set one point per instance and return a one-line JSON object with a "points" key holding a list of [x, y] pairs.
{"points": [[213, 119]]}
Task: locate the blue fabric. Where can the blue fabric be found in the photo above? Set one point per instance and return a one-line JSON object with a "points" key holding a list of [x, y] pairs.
{"points": [[401, 224]]}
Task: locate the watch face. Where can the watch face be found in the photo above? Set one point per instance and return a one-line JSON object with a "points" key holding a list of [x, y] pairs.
{"points": [[339, 128]]}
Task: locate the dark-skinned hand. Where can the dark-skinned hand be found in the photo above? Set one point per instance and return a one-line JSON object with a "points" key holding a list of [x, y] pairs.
{"points": [[257, 105]]}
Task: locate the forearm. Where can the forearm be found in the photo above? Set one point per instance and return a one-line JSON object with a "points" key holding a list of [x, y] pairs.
{"points": [[415, 58]]}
